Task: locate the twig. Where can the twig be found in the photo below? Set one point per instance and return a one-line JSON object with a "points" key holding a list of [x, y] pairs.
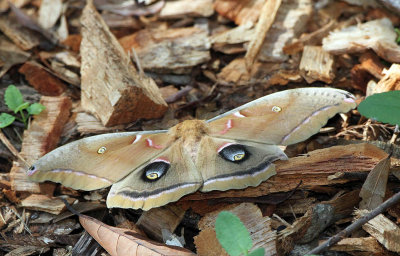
{"points": [[12, 149], [395, 134], [356, 225]]}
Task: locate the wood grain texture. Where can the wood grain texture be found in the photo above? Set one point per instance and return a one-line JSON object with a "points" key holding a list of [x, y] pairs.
{"points": [[111, 87]]}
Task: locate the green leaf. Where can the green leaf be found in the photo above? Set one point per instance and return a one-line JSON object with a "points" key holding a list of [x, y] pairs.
{"points": [[35, 108], [398, 35], [383, 107], [13, 97], [6, 120], [258, 252], [232, 234], [23, 106]]}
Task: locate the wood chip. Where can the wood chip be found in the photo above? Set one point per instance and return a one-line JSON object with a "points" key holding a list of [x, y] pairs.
{"points": [[267, 17], [378, 35], [49, 12], [185, 8], [317, 65], [383, 230], [290, 22], [174, 50], [153, 221], [42, 136], [111, 87], [45, 203], [259, 228], [21, 36], [240, 11], [360, 246], [10, 55], [42, 80], [390, 81]]}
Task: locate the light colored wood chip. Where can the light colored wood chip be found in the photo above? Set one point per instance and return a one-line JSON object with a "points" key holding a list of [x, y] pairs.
{"points": [[390, 81], [41, 137], [317, 65], [360, 246], [378, 35], [185, 8], [112, 89], [45, 203], [49, 12], [267, 17], [290, 21], [384, 230]]}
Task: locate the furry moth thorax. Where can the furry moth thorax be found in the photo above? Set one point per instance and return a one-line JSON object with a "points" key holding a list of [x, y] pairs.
{"points": [[231, 151]]}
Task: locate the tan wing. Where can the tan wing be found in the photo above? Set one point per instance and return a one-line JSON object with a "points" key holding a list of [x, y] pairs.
{"points": [[99, 161], [165, 178], [282, 118], [231, 164]]}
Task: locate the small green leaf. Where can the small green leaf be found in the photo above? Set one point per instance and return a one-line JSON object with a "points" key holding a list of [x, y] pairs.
{"points": [[35, 108], [23, 106], [13, 97], [258, 252], [6, 120], [398, 35], [232, 234], [383, 107]]}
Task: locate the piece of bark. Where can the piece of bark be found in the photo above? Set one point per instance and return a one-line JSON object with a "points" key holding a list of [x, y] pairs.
{"points": [[42, 80], [45, 203], [363, 246], [111, 87], [240, 11], [317, 65], [312, 170], [294, 206], [384, 230], [259, 228], [21, 36], [153, 221], [187, 8], [10, 55], [174, 50], [370, 66], [41, 137], [390, 81], [73, 42], [290, 22], [378, 35], [267, 17]]}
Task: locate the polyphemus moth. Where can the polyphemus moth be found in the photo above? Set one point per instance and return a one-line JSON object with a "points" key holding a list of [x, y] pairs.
{"points": [[231, 151]]}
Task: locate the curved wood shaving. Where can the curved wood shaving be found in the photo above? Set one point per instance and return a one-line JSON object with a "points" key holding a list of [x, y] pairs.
{"points": [[124, 242]]}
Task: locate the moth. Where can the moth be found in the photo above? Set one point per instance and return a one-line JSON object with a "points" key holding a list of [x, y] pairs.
{"points": [[234, 150]]}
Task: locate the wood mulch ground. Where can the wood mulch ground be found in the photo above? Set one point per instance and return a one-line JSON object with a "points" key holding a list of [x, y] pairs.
{"points": [[120, 65]]}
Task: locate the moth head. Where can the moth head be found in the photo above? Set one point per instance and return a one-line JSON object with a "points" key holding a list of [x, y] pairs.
{"points": [[155, 170], [234, 153]]}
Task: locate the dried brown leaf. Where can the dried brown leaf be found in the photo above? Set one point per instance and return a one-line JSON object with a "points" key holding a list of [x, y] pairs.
{"points": [[123, 242]]}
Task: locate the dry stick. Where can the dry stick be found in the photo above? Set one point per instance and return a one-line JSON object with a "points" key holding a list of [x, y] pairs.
{"points": [[267, 17], [356, 225], [12, 149]]}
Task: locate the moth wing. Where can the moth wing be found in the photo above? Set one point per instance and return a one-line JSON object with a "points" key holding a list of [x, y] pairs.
{"points": [[255, 166], [282, 118], [98, 161], [137, 191]]}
